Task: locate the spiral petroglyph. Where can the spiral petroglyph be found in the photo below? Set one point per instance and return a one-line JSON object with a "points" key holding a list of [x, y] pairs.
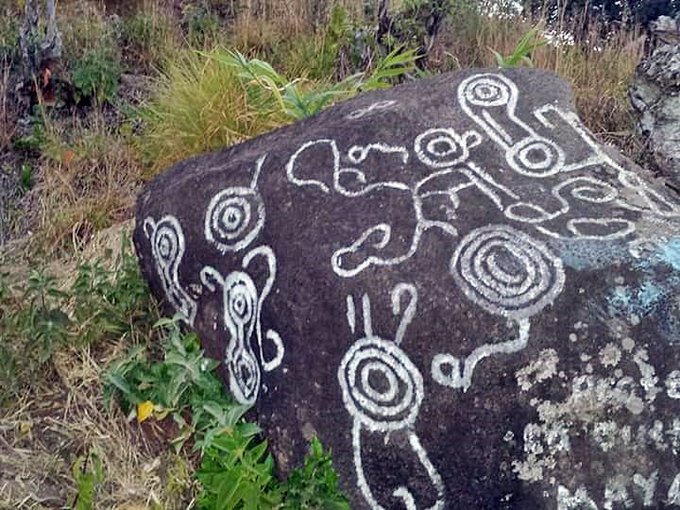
{"points": [[382, 390], [443, 147], [234, 218], [487, 91], [507, 272], [242, 310], [381, 387]]}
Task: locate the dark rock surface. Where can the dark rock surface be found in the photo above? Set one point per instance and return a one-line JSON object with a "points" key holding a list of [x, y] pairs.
{"points": [[655, 94], [451, 283]]}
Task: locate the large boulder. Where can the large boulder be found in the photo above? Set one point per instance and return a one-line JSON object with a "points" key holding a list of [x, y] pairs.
{"points": [[451, 283], [655, 95]]}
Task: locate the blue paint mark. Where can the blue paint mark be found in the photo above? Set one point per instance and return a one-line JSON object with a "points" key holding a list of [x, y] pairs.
{"points": [[621, 300], [667, 254], [640, 300]]}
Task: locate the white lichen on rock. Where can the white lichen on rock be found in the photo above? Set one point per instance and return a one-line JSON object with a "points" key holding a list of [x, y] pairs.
{"points": [[647, 486], [542, 369], [608, 408], [673, 384], [648, 378], [577, 501], [610, 355], [616, 491]]}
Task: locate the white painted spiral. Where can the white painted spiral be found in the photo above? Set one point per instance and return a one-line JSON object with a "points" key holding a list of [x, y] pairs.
{"points": [[507, 272]]}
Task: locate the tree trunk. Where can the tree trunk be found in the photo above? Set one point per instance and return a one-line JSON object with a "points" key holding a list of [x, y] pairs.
{"points": [[39, 52], [384, 21]]}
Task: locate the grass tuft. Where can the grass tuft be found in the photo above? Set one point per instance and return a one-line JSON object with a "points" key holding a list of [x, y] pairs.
{"points": [[200, 105], [598, 67]]}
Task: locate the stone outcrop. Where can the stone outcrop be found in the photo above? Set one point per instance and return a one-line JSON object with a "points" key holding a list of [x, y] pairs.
{"points": [[451, 283], [655, 94]]}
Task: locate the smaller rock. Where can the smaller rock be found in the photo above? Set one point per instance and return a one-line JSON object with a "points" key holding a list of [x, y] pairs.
{"points": [[655, 95]]}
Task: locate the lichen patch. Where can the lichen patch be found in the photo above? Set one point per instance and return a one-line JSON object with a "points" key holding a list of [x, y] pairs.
{"points": [[542, 369]]}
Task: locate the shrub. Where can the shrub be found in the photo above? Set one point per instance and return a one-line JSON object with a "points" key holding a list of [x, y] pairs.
{"points": [[96, 75], [211, 100], [236, 471]]}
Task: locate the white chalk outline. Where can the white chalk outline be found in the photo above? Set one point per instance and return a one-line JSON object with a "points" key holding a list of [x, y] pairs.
{"points": [[461, 376], [626, 177], [358, 153], [481, 96], [240, 199], [505, 94], [362, 112], [426, 153], [475, 271], [239, 348], [167, 266], [373, 410], [486, 283]]}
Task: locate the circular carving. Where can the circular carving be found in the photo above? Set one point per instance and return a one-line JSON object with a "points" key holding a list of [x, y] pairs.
{"points": [[240, 301], [381, 387], [234, 218], [487, 91], [440, 148], [536, 157], [166, 243], [245, 377], [507, 272]]}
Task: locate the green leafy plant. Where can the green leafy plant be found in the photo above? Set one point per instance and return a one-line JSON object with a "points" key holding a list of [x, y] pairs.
{"points": [[235, 471], [182, 383], [26, 176], [96, 74], [298, 98], [37, 317], [316, 484], [88, 472], [529, 43]]}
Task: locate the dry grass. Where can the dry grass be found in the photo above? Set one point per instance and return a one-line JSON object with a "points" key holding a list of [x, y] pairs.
{"points": [[86, 182], [63, 417], [44, 433], [599, 69], [300, 16], [83, 26]]}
